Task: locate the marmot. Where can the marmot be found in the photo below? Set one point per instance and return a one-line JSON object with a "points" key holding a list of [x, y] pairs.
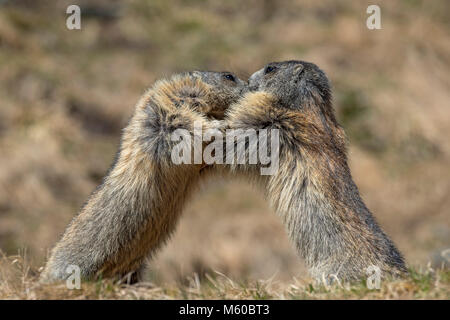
{"points": [[135, 209], [313, 190]]}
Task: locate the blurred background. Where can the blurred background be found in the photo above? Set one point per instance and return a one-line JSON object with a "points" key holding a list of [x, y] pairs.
{"points": [[66, 94]]}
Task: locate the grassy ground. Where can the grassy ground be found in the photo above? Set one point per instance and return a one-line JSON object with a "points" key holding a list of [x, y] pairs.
{"points": [[18, 281], [65, 95]]}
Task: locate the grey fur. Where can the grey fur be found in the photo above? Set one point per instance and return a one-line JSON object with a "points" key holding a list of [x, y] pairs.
{"points": [[313, 190]]}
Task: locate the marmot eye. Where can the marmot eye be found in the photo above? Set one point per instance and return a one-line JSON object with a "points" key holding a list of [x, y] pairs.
{"points": [[269, 69], [230, 77]]}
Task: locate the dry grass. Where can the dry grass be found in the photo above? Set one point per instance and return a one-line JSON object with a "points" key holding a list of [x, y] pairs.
{"points": [[18, 281], [65, 95]]}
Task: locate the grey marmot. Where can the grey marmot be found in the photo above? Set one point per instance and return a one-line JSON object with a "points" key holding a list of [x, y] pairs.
{"points": [[136, 207], [312, 191]]}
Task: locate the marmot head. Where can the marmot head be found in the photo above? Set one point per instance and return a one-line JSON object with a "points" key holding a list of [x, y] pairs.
{"points": [[227, 88], [302, 88], [298, 85]]}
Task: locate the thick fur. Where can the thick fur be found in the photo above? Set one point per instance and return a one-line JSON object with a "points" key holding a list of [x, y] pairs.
{"points": [[313, 190], [136, 208]]}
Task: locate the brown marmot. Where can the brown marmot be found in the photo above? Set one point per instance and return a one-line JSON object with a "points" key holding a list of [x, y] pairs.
{"points": [[135, 209]]}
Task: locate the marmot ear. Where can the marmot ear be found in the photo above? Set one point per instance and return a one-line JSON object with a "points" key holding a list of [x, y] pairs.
{"points": [[298, 70]]}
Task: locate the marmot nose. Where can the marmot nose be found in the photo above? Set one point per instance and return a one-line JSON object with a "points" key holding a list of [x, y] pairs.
{"points": [[253, 81], [252, 84]]}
